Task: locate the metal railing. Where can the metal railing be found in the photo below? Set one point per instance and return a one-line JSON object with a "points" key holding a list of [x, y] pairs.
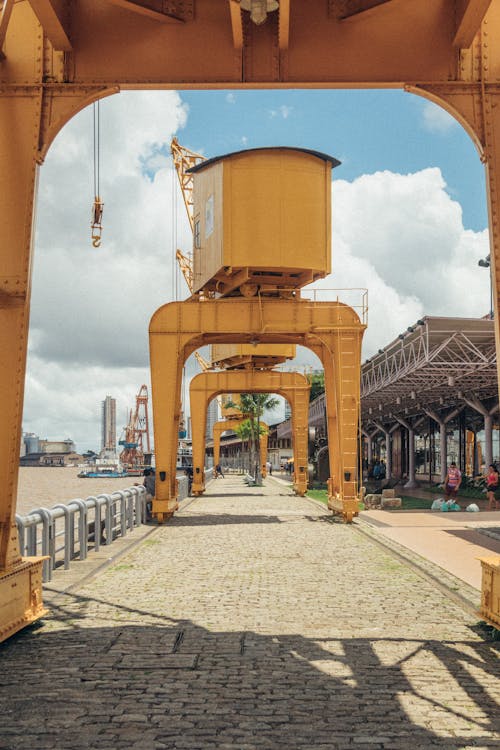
{"points": [[66, 532], [69, 531], [355, 297]]}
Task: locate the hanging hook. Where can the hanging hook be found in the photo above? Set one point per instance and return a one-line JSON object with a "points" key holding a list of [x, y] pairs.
{"points": [[96, 226], [98, 206]]}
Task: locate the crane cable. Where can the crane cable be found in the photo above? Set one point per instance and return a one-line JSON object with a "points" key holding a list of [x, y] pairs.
{"points": [[173, 238], [98, 206]]}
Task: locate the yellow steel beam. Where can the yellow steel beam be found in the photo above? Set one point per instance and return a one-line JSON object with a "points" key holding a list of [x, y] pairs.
{"points": [[154, 9], [386, 49], [236, 24], [52, 15], [284, 25], [348, 8], [470, 15]]}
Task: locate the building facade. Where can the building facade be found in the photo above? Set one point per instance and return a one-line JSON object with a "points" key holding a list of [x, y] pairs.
{"points": [[108, 424]]}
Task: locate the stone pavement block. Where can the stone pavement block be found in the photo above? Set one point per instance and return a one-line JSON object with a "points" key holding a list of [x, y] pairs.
{"points": [[283, 634]]}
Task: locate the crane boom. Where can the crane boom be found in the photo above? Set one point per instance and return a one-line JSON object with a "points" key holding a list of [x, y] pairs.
{"points": [[186, 266], [184, 159]]}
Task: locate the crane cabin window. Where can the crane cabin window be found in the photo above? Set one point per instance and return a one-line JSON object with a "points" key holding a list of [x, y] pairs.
{"points": [[209, 216]]}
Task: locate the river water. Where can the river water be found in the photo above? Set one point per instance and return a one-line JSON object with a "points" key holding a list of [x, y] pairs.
{"points": [[45, 486]]}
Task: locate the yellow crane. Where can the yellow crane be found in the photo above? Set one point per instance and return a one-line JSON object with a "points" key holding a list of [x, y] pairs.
{"points": [[184, 159]]}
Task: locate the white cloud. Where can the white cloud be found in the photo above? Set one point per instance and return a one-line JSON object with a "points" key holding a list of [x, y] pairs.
{"points": [[402, 237], [435, 119], [91, 306], [282, 110]]}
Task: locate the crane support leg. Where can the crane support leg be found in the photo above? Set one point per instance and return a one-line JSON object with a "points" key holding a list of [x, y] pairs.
{"points": [[199, 406], [20, 578], [340, 354], [263, 453], [166, 381]]}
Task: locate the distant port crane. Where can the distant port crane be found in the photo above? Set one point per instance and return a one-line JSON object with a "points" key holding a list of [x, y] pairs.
{"points": [[136, 441]]}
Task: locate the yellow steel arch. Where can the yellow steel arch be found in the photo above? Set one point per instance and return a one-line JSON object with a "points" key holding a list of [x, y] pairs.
{"points": [[292, 385], [57, 57]]}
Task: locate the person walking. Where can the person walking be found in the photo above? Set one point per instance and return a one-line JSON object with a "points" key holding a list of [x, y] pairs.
{"points": [[150, 485], [492, 479], [218, 472], [452, 482]]}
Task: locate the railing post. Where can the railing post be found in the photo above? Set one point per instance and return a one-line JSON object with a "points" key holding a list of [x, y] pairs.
{"points": [[129, 501], [21, 533], [82, 526], [68, 535], [109, 518], [46, 518], [123, 513]]}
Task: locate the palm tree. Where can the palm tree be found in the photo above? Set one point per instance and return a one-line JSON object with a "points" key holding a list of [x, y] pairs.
{"points": [[244, 431], [253, 405]]}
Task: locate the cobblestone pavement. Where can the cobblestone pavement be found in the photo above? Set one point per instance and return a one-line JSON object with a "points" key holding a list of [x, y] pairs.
{"points": [[251, 620]]}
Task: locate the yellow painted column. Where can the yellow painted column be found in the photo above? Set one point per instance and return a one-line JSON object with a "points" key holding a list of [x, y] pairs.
{"points": [[341, 357], [299, 399], [168, 352], [20, 579], [199, 400], [263, 451], [492, 162], [19, 118]]}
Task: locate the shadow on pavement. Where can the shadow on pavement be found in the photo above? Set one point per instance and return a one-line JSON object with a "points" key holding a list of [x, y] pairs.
{"points": [[171, 683], [474, 536]]}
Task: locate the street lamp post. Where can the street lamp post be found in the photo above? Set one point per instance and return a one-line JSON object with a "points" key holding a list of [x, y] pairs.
{"points": [[486, 263]]}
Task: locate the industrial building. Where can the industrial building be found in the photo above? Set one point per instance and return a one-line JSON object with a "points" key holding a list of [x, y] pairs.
{"points": [[42, 452]]}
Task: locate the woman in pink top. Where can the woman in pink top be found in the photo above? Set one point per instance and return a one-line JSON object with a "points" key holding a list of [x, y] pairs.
{"points": [[492, 486], [452, 482]]}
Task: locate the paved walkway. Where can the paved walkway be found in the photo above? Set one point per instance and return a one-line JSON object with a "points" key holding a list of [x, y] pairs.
{"points": [[454, 541], [252, 620]]}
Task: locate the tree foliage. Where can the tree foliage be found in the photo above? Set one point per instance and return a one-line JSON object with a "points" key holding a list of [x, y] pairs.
{"points": [[317, 382], [253, 406]]}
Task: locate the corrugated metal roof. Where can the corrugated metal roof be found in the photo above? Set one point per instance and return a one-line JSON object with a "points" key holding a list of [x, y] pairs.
{"points": [[319, 155], [435, 362]]}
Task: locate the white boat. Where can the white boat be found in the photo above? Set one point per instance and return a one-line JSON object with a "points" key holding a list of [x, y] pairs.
{"points": [[106, 465]]}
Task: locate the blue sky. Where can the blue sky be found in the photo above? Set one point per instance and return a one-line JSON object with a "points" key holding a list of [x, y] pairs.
{"points": [[368, 131]]}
